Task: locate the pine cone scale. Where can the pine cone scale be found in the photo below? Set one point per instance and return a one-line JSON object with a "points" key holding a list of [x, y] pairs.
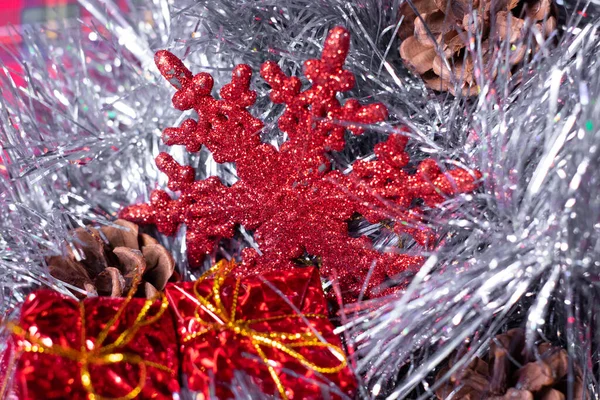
{"points": [[538, 10], [421, 56], [430, 24], [156, 256], [127, 237], [69, 271], [90, 253], [422, 6], [552, 394], [110, 282], [131, 261]]}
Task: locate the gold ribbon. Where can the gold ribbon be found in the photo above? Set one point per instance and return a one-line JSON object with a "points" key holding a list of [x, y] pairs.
{"points": [[96, 352], [227, 321]]}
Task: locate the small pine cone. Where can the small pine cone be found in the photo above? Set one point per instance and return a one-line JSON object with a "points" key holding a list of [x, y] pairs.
{"points": [[505, 374], [106, 262], [434, 42]]}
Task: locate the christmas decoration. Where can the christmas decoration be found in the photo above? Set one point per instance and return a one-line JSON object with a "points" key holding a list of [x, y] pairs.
{"points": [[100, 348], [435, 42], [275, 328], [80, 136], [291, 198], [509, 374], [109, 259]]}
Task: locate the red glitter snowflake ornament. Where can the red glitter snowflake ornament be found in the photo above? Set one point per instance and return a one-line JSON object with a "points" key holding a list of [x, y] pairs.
{"points": [[291, 198]]}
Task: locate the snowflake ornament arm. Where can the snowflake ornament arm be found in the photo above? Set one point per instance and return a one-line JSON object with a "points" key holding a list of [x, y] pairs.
{"points": [[291, 199]]}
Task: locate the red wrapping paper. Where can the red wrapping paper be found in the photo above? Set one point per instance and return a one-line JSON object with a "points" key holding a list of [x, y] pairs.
{"points": [[218, 338], [137, 359]]}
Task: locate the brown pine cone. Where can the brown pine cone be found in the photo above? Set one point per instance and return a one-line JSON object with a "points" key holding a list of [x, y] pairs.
{"points": [[505, 374], [106, 262], [448, 21]]}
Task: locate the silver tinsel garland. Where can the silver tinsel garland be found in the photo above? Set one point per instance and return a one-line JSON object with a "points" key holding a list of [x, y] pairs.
{"points": [[79, 140]]}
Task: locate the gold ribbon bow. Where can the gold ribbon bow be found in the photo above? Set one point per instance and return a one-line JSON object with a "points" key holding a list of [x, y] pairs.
{"points": [[274, 340], [97, 353]]}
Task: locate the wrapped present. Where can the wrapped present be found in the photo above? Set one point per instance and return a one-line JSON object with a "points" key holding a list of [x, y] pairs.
{"points": [[100, 348], [274, 328]]}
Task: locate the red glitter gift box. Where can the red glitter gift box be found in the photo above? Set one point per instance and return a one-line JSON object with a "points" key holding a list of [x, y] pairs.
{"points": [[100, 348], [274, 328]]}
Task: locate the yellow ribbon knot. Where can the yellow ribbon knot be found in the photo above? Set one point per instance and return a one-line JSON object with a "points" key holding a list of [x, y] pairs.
{"points": [[227, 321], [95, 352]]}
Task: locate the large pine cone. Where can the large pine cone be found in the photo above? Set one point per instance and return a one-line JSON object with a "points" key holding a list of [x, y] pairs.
{"points": [[449, 20], [107, 261], [507, 375]]}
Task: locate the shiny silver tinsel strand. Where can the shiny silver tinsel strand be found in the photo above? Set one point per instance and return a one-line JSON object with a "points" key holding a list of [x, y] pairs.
{"points": [[79, 143]]}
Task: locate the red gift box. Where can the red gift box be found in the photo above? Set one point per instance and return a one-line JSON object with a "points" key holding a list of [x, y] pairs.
{"points": [[100, 348], [274, 328]]}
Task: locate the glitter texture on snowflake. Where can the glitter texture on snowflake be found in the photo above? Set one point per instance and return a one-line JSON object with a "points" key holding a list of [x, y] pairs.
{"points": [[291, 198]]}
